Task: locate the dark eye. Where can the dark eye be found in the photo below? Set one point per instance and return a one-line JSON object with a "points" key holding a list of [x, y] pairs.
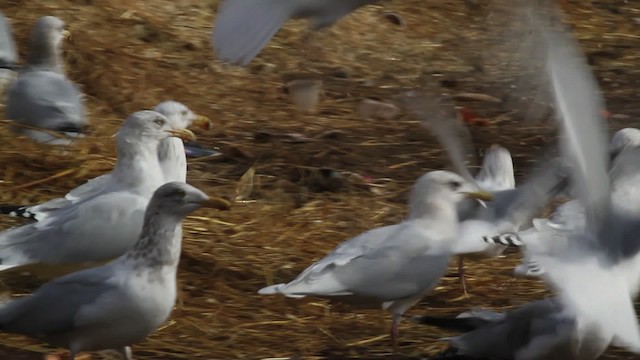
{"points": [[184, 112], [159, 121], [455, 185], [181, 193]]}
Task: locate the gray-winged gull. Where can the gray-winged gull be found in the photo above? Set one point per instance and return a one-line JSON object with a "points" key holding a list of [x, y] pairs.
{"points": [[42, 96], [171, 156], [121, 303], [542, 329], [394, 265], [243, 27], [106, 223]]}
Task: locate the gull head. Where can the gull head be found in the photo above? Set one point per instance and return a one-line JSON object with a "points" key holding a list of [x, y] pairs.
{"points": [[624, 139], [497, 170], [443, 187], [180, 199], [49, 32], [180, 116], [150, 125]]}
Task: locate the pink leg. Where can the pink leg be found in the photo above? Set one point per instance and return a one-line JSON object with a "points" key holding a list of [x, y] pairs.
{"points": [[394, 331]]}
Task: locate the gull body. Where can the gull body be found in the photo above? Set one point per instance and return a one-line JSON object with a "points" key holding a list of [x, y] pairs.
{"points": [[171, 159], [243, 27], [42, 96], [105, 223], [122, 302], [395, 265]]}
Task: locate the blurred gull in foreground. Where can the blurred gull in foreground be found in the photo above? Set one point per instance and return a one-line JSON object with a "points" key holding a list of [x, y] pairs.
{"points": [[396, 265], [105, 223], [8, 54], [121, 303], [42, 96], [243, 27], [596, 271], [171, 157], [538, 330]]}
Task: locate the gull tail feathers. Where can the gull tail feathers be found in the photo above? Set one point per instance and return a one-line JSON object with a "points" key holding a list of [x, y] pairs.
{"points": [[277, 289]]}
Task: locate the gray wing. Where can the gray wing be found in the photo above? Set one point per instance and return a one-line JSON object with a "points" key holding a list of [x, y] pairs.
{"points": [[51, 310], [399, 265], [8, 53], [100, 229], [243, 27], [538, 330], [46, 99]]}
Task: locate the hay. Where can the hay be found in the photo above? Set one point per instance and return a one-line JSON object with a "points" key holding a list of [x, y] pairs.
{"points": [[320, 178]]}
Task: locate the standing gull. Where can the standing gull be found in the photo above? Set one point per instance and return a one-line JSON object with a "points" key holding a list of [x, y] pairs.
{"points": [[42, 96], [107, 223], [396, 265], [8, 54], [121, 303], [243, 27], [171, 156]]}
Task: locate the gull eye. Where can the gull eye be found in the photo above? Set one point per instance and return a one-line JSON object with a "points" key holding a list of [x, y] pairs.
{"points": [[181, 193], [183, 112], [455, 185], [159, 121]]}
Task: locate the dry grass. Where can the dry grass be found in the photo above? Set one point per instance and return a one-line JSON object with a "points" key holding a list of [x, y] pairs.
{"points": [[129, 56]]}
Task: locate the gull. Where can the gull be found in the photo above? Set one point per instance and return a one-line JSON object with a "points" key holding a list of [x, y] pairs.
{"points": [[171, 156], [395, 265], [541, 329], [243, 27], [568, 217], [42, 96], [596, 271], [121, 303], [107, 223], [8, 54]]}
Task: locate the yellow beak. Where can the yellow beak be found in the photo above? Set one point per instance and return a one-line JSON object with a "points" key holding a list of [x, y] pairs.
{"points": [[216, 203], [184, 134], [480, 195], [66, 34], [202, 122]]}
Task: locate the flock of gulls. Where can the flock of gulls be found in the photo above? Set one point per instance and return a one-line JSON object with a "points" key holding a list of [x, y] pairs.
{"points": [[130, 220]]}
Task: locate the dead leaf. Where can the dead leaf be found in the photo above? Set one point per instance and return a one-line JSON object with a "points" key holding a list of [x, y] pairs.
{"points": [[245, 185]]}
